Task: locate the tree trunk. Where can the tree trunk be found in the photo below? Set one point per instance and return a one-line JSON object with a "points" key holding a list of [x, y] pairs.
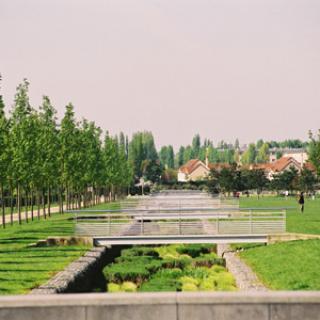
{"points": [[3, 205], [19, 203], [49, 201], [31, 204], [26, 207], [11, 205], [61, 199], [44, 204], [38, 204]]}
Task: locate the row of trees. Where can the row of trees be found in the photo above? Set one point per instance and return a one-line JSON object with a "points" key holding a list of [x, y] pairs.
{"points": [[224, 153], [235, 180], [42, 160]]}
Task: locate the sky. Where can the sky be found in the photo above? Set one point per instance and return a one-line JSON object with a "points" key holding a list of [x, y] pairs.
{"points": [[225, 69]]}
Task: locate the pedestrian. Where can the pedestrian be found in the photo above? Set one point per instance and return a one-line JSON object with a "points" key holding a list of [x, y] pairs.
{"points": [[301, 202]]}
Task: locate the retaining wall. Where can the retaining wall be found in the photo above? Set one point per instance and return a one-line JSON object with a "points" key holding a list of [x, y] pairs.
{"points": [[168, 306], [81, 275]]}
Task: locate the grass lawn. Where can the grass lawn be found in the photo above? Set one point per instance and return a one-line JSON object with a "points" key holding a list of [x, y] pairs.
{"points": [[308, 222], [290, 265], [23, 268]]}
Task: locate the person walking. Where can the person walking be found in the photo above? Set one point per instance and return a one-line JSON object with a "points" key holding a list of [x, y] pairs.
{"points": [[301, 202]]}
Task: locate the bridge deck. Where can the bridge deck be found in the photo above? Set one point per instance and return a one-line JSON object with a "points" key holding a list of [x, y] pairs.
{"points": [[187, 239]]}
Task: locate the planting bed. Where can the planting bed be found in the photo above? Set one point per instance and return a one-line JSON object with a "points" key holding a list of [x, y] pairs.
{"points": [[169, 268]]}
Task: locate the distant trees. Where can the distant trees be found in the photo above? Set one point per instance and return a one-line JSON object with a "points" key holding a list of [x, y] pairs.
{"points": [[249, 156], [144, 157], [166, 156], [314, 150], [234, 179]]}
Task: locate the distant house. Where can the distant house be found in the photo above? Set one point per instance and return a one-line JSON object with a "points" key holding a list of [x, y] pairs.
{"points": [[193, 170], [278, 166], [197, 170], [299, 154]]}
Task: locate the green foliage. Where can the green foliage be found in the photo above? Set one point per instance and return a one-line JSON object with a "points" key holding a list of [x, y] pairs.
{"points": [[169, 268], [250, 155], [195, 250], [164, 280]]}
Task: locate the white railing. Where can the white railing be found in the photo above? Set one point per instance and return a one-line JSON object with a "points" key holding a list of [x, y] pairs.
{"points": [[181, 222]]}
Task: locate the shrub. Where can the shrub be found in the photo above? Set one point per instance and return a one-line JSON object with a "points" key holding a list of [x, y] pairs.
{"points": [[217, 268], [208, 260], [189, 287], [194, 250], [179, 262], [163, 280], [140, 251], [130, 271], [129, 286], [113, 287], [187, 279], [207, 285]]}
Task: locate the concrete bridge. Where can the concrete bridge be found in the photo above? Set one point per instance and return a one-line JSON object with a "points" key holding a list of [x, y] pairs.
{"points": [[180, 217]]}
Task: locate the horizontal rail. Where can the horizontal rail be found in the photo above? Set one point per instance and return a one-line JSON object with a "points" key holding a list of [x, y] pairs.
{"points": [[178, 209], [254, 238]]}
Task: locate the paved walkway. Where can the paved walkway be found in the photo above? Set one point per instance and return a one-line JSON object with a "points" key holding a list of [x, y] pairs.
{"points": [[54, 209], [246, 279]]}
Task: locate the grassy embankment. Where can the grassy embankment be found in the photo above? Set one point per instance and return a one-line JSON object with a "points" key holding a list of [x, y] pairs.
{"points": [[289, 265], [23, 268]]}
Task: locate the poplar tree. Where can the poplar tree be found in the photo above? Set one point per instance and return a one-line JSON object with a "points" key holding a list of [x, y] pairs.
{"points": [[4, 156]]}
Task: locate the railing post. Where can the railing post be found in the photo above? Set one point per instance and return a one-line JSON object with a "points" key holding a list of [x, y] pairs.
{"points": [[179, 222], [109, 225], [217, 223], [142, 229], [285, 220], [251, 229]]}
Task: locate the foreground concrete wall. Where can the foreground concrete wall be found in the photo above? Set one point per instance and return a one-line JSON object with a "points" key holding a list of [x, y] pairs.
{"points": [[164, 306]]}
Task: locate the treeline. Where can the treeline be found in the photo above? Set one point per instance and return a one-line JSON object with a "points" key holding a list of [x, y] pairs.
{"points": [[235, 179], [223, 152], [70, 162]]}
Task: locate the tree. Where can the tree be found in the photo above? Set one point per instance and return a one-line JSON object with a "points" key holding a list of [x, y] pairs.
{"points": [[249, 156], [68, 158], [226, 180], [256, 179], [263, 153], [181, 156], [19, 141], [196, 144], [4, 156], [314, 151], [307, 180], [286, 180], [48, 148]]}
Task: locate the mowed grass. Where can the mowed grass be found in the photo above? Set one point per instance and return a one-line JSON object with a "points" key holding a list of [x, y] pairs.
{"points": [[307, 222], [23, 268], [290, 265]]}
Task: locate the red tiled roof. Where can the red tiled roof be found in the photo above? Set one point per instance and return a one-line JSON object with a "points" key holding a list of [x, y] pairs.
{"points": [[190, 166], [283, 163]]}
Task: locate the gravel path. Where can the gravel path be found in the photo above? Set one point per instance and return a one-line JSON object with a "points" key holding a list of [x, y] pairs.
{"points": [[246, 279]]}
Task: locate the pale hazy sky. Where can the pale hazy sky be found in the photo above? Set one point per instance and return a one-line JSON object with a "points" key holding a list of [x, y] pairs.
{"points": [[222, 68]]}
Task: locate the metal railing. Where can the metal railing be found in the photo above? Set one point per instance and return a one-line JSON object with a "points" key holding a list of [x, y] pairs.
{"points": [[181, 222]]}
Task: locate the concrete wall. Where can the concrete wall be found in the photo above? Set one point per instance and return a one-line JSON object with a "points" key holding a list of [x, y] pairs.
{"points": [[164, 306]]}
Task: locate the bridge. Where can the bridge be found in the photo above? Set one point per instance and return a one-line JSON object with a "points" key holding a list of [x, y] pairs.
{"points": [[179, 217]]}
